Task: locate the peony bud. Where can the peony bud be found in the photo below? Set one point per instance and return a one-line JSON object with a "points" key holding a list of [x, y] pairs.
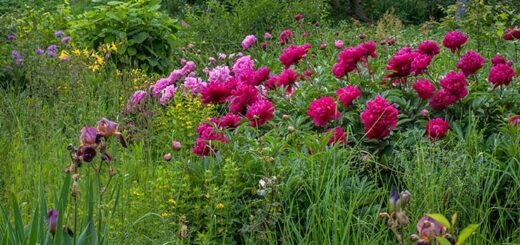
{"points": [[167, 156]]}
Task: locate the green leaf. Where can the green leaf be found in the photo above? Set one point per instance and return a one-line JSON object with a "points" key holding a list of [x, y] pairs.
{"points": [[443, 241], [131, 51], [441, 219], [139, 38], [466, 233]]}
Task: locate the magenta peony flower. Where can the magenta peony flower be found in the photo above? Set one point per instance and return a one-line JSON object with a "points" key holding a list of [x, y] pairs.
{"points": [[338, 44], [287, 77], [243, 96], [176, 145], [424, 89], [442, 99], [454, 40], [455, 84], [248, 41], [348, 94], [390, 41], [137, 97], [260, 113], [216, 92], [512, 34], [429, 47], [298, 17], [379, 118], [436, 128], [401, 63], [339, 136], [293, 54], [514, 120], [501, 74], [285, 36], [470, 62], [498, 59], [420, 63], [322, 111], [229, 120]]}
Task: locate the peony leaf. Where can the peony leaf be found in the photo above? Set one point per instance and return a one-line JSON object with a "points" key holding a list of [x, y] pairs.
{"points": [[464, 234], [441, 219], [443, 241]]}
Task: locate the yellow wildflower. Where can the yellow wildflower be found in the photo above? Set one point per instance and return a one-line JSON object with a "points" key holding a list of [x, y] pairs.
{"points": [[94, 67], [99, 59], [76, 52], [119, 73], [86, 52], [171, 201], [64, 55], [165, 215], [220, 205], [113, 47]]}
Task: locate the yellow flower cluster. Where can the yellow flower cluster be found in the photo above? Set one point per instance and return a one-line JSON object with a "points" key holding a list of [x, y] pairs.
{"points": [[97, 57]]}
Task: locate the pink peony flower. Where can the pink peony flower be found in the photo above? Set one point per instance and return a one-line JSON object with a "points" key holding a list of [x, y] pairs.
{"points": [[339, 136], [195, 85], [436, 128], [348, 94], [167, 157], [267, 35], [263, 45], [285, 36], [260, 113], [293, 54], [501, 74], [248, 41], [176, 145], [137, 97], [338, 44], [168, 94], [219, 74], [322, 111], [287, 77], [323, 46], [498, 59], [442, 99], [512, 34], [298, 17], [242, 67], [455, 83], [424, 89], [420, 63], [379, 118], [514, 120], [470, 62], [229, 120], [429, 47], [454, 40]]}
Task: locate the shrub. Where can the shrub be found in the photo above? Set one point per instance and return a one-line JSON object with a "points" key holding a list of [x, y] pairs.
{"points": [[144, 35]]}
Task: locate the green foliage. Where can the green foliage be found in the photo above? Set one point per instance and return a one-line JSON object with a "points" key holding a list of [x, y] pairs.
{"points": [[144, 35], [231, 20]]}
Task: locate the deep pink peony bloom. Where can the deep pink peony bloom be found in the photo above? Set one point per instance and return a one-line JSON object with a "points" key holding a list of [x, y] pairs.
{"points": [[322, 111], [379, 118], [429, 47], [293, 54], [454, 40], [349, 58], [285, 36], [348, 94], [323, 46], [455, 84], [287, 77], [369, 49], [512, 34], [242, 96], [298, 17], [248, 41], [260, 113], [501, 74], [401, 63], [420, 63], [229, 120], [498, 59], [442, 99], [424, 89], [263, 45], [216, 92], [470, 62], [339, 136], [436, 128], [362, 36]]}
